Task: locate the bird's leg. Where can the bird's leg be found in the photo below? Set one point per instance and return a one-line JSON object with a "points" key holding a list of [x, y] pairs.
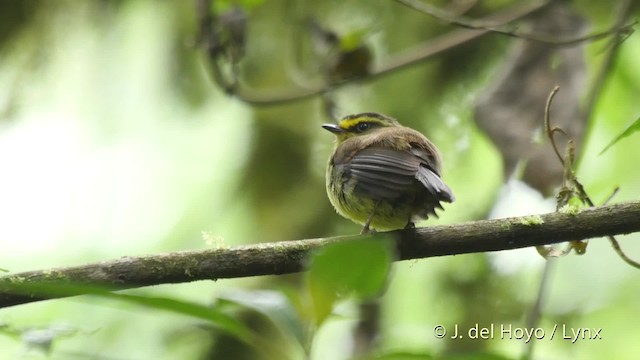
{"points": [[365, 229], [410, 224]]}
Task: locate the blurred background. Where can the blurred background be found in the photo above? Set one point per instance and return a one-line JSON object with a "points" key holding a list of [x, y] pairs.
{"points": [[136, 127]]}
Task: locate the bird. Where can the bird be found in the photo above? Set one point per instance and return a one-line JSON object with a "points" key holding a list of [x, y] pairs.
{"points": [[383, 175]]}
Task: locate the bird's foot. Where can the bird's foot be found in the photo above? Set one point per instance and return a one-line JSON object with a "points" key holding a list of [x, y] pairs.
{"points": [[410, 225], [366, 229]]}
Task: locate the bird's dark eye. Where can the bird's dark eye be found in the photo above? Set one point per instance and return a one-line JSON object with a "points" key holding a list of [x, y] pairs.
{"points": [[363, 126]]}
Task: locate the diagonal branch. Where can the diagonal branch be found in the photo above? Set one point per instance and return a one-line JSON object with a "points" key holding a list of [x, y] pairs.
{"points": [[442, 15], [290, 256], [397, 62]]}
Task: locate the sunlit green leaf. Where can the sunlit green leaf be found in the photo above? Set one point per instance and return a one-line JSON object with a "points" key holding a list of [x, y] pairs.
{"points": [[635, 127], [355, 267], [225, 5], [322, 300], [353, 39]]}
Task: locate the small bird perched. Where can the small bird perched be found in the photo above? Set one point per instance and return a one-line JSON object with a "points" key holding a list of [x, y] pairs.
{"points": [[383, 175]]}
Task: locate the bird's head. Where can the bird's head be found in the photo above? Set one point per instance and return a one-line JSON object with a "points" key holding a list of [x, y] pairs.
{"points": [[360, 125]]}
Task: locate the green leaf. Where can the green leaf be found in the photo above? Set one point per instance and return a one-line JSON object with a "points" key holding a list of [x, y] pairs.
{"points": [[635, 127], [272, 305], [353, 39], [400, 355], [222, 6], [359, 267], [322, 301], [215, 317]]}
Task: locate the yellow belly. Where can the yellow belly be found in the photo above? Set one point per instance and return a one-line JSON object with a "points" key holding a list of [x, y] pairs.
{"points": [[358, 208]]}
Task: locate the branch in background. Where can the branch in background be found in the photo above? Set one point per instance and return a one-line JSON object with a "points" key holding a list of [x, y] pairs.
{"points": [[434, 47], [443, 16], [451, 40], [290, 256], [622, 14]]}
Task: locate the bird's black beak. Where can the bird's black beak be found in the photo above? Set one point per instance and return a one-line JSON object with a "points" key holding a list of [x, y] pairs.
{"points": [[333, 128]]}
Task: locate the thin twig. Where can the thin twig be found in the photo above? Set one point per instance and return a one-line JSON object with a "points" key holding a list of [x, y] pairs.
{"points": [[623, 256], [501, 29], [570, 180], [613, 194], [622, 14], [536, 310], [547, 126]]}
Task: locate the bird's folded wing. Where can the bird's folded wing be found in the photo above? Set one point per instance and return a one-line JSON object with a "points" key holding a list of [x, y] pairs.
{"points": [[383, 173], [432, 182], [387, 174], [429, 174]]}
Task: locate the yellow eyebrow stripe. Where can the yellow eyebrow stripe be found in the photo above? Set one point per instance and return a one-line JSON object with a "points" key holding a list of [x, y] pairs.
{"points": [[350, 123], [347, 124]]}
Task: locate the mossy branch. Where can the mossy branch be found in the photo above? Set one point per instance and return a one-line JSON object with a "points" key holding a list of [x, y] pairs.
{"points": [[290, 256]]}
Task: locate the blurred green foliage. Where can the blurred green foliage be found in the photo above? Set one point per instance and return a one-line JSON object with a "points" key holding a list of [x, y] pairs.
{"points": [[358, 268], [115, 141], [630, 130]]}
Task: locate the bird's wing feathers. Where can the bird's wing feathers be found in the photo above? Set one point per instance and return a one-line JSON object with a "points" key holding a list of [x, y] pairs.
{"points": [[381, 173], [429, 173], [388, 174], [434, 184]]}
